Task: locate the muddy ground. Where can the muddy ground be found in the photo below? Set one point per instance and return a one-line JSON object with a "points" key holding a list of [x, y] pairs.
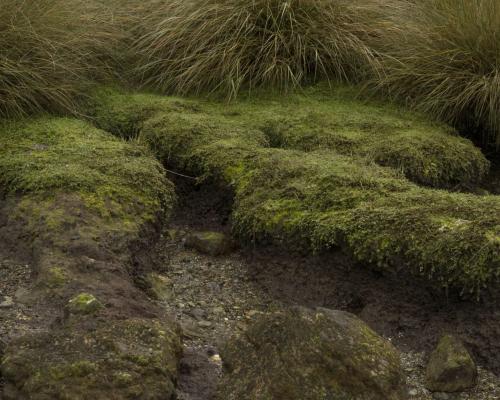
{"points": [[215, 297]]}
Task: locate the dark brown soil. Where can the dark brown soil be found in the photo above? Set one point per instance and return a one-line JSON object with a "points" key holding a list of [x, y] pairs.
{"points": [[492, 183]]}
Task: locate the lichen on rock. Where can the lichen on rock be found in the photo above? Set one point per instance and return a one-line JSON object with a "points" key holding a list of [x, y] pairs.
{"points": [[84, 303]]}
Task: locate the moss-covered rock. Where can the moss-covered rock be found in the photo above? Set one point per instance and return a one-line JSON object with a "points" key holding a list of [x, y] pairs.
{"points": [[133, 359], [56, 277], [84, 303], [450, 367], [310, 355], [320, 198], [159, 286], [207, 242]]}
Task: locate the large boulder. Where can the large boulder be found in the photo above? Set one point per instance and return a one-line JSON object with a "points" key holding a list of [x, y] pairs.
{"points": [[450, 368], [306, 354]]}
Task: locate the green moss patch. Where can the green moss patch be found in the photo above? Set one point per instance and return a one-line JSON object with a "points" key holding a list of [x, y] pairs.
{"points": [[426, 152], [47, 154], [322, 198]]}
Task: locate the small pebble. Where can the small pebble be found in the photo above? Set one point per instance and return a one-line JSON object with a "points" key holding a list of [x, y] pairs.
{"points": [[204, 324], [7, 303]]}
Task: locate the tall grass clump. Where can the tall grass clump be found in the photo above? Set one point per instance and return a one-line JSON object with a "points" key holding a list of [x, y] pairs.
{"points": [[50, 52], [443, 57], [192, 46]]}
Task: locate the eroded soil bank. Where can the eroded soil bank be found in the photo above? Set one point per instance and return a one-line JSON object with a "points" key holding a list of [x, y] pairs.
{"points": [[214, 297]]}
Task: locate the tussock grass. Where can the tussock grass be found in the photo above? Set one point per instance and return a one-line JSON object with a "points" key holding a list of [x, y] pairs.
{"points": [[50, 51], [443, 56], [223, 45]]}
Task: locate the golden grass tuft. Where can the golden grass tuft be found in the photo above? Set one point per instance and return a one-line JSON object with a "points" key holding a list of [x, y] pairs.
{"points": [[443, 57], [192, 46], [50, 52]]}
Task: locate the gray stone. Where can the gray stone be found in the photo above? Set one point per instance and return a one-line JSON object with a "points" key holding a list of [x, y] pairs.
{"points": [[204, 324]]}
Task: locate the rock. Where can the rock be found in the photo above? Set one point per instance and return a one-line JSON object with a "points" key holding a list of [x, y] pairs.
{"points": [[252, 313], [216, 359], [190, 329], [306, 354], [175, 234], [198, 313], [84, 303], [8, 302], [211, 243], [54, 277], [204, 324], [159, 286], [451, 368], [218, 310]]}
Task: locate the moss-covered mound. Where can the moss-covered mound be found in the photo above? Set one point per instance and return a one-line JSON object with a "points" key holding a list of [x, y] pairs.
{"points": [[320, 199], [84, 203], [319, 118], [310, 355], [48, 155]]}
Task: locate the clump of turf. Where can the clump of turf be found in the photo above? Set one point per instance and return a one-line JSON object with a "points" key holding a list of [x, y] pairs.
{"points": [[321, 199], [46, 155], [225, 45], [426, 152]]}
